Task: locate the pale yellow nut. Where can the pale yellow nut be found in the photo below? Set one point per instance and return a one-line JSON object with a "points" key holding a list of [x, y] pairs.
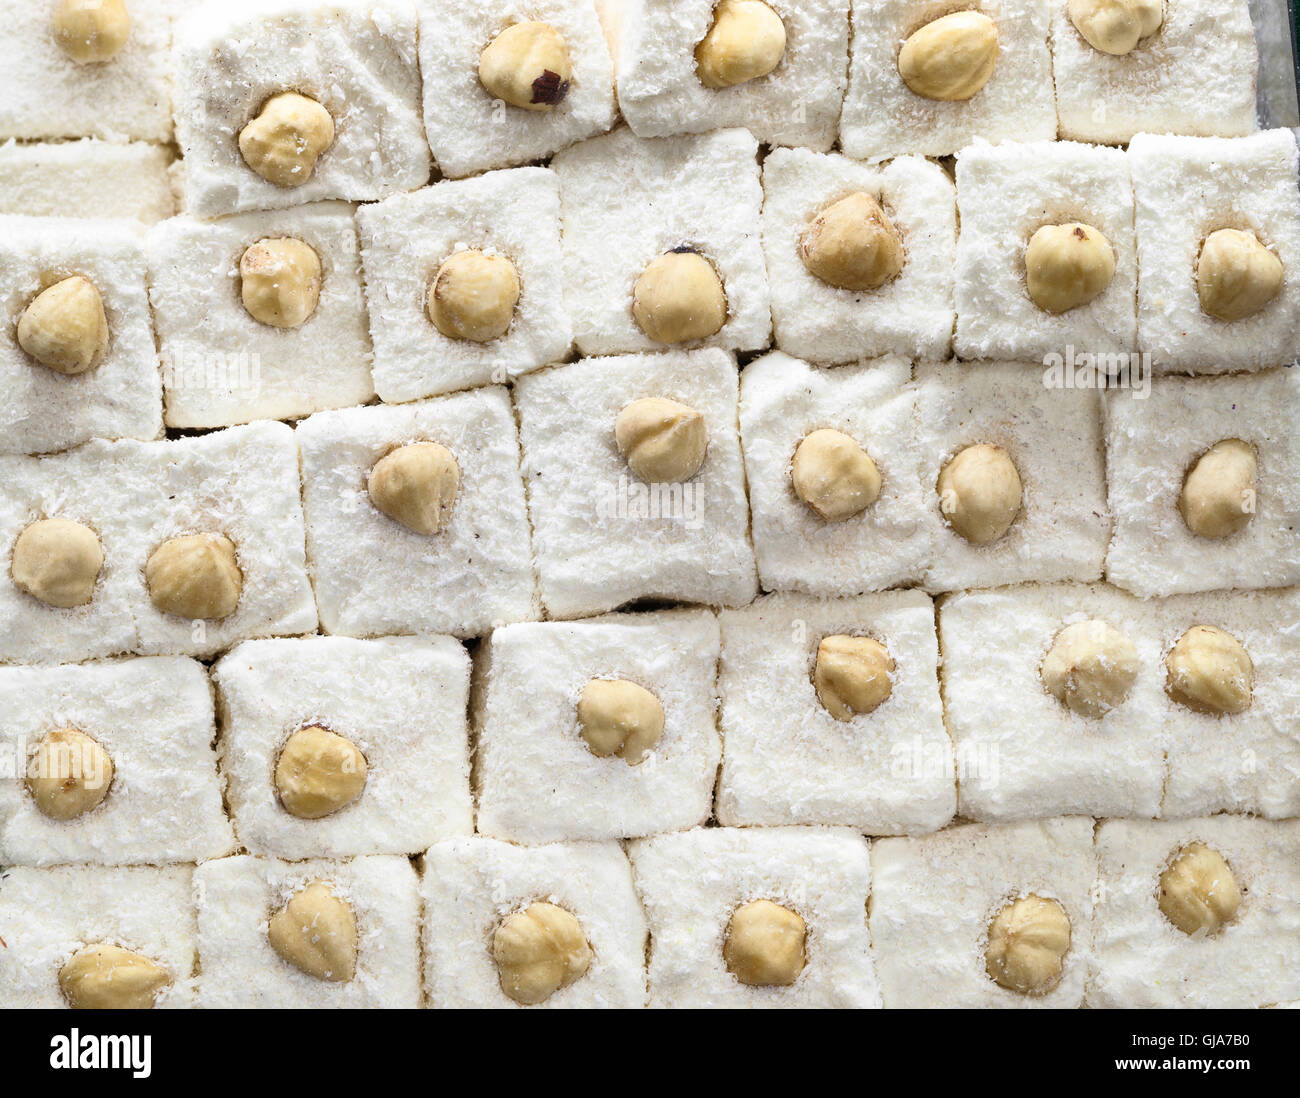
{"points": [[852, 244], [951, 58], [90, 31], [1209, 671], [1218, 496], [69, 774], [852, 675], [1198, 892], [1116, 26], [663, 441], [833, 475], [195, 576], [766, 944], [980, 493], [58, 561], [527, 65], [617, 717], [108, 977], [473, 296], [1028, 941], [745, 41], [416, 486], [539, 951], [318, 773], [316, 932], [1067, 266], [284, 141], [280, 281], [679, 298], [64, 326], [1236, 276], [1090, 668]]}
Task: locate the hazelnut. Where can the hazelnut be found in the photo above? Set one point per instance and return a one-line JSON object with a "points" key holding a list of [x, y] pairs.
{"points": [[1218, 496], [833, 475], [58, 561], [108, 977], [539, 951], [617, 717], [950, 58], [416, 485], [69, 774], [316, 932], [527, 65], [851, 675], [89, 31], [195, 576], [1090, 668], [664, 442], [64, 326], [1198, 892], [852, 244], [980, 494], [1210, 672], [1028, 941], [1116, 26], [1066, 266], [284, 141], [280, 281], [679, 298], [1236, 276], [318, 773], [473, 296], [765, 945], [746, 41]]}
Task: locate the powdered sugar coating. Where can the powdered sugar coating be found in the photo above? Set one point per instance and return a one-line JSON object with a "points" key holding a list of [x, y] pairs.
{"points": [[66, 179]]}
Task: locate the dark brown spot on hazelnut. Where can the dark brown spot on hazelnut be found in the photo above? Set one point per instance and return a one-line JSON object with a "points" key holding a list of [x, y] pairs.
{"points": [[1078, 231], [549, 88]]}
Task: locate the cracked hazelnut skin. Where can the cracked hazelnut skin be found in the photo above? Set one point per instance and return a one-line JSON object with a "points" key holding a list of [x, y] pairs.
{"points": [[318, 773], [618, 717], [951, 58], [662, 441], [64, 327], [70, 774], [746, 41], [852, 245], [679, 298], [539, 951], [1218, 495], [833, 475], [316, 932], [108, 977], [1236, 276], [766, 944], [980, 493], [1198, 892], [852, 675], [1209, 671], [91, 31], [473, 296], [1067, 266], [1028, 941], [286, 139], [195, 576], [527, 65], [280, 281], [1090, 668], [1116, 26], [416, 486], [58, 562]]}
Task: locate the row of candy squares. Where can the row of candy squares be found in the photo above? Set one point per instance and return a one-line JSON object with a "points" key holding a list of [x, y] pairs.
{"points": [[635, 486], [360, 81], [831, 713], [1188, 913]]}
